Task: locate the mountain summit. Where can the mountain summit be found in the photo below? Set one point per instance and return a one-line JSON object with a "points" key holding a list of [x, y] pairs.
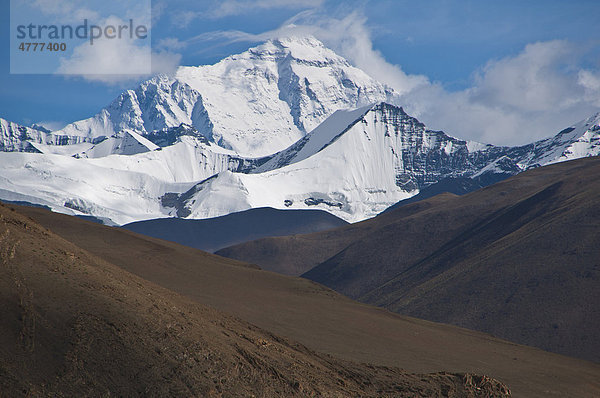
{"points": [[255, 103]]}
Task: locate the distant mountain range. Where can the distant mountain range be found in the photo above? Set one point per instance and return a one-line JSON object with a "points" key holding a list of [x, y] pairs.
{"points": [[216, 233], [288, 124]]}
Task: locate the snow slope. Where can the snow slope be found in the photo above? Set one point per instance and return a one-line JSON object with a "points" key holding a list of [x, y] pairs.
{"points": [[354, 165], [578, 141], [122, 188]]}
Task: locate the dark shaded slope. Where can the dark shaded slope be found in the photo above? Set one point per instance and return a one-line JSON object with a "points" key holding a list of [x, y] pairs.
{"points": [[452, 185], [75, 325], [294, 255], [326, 321], [519, 259], [215, 233]]}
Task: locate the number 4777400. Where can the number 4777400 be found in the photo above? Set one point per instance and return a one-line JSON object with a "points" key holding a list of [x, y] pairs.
{"points": [[42, 47]]}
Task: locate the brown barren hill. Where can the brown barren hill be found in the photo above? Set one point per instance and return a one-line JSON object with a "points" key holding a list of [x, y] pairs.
{"points": [[325, 321], [76, 325], [519, 259]]}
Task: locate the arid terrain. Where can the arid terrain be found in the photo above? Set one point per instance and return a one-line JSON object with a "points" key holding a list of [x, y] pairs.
{"points": [[76, 325], [322, 320]]}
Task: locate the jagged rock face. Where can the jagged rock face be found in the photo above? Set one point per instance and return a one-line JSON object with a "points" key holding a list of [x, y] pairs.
{"points": [[17, 138], [169, 136], [157, 104], [423, 156], [14, 137]]}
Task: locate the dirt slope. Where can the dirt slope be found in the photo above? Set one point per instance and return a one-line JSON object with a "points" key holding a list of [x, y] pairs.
{"points": [[75, 325], [325, 321]]}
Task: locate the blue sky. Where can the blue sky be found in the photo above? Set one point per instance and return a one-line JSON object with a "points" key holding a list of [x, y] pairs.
{"points": [[497, 71]]}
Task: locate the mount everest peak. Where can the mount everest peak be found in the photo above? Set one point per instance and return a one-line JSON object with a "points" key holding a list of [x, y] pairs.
{"points": [[255, 103]]}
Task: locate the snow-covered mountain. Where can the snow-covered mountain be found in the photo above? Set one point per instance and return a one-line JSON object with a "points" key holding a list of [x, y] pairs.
{"points": [[18, 138], [255, 103], [355, 164], [159, 103], [265, 99], [287, 124], [578, 141]]}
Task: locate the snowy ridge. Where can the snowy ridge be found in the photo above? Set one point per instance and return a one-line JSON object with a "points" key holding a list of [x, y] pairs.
{"points": [[580, 140], [158, 103], [351, 168], [123, 143], [322, 136]]}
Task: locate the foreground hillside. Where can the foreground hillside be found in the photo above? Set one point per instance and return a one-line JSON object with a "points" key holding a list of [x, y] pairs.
{"points": [[75, 325], [325, 321], [518, 259]]}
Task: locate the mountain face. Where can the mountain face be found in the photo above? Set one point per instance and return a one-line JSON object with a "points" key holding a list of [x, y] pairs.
{"points": [[287, 124], [356, 163], [267, 98], [159, 103], [255, 103]]}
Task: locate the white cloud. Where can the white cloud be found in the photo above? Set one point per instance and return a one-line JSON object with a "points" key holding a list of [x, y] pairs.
{"points": [[116, 60], [516, 99], [590, 82], [239, 7], [170, 44], [229, 8]]}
